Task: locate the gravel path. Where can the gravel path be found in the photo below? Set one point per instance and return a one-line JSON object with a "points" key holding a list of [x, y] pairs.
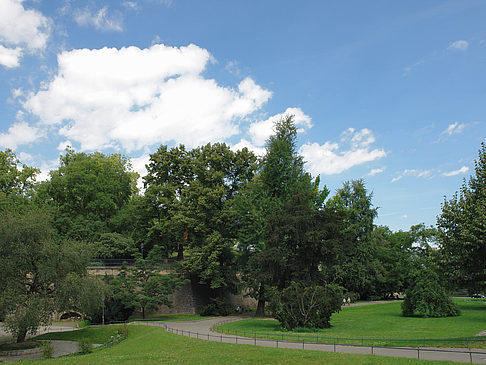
{"points": [[202, 330], [61, 348]]}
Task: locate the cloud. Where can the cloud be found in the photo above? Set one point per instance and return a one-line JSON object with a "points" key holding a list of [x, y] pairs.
{"points": [[18, 134], [24, 27], [131, 98], [10, 57], [413, 172], [462, 170], [332, 158], [460, 45], [63, 145], [132, 5], [233, 68], [454, 128], [374, 172], [21, 30], [260, 131], [101, 19], [259, 151]]}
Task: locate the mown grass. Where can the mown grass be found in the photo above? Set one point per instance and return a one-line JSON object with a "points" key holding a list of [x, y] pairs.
{"points": [[153, 345], [380, 321], [98, 335], [168, 317]]}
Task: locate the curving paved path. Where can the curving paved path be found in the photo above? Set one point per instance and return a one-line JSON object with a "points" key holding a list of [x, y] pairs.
{"points": [[201, 329]]}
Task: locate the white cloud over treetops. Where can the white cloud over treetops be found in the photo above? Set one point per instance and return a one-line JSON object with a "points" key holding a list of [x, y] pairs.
{"points": [[462, 170], [334, 158], [19, 133], [20, 30], [131, 98]]}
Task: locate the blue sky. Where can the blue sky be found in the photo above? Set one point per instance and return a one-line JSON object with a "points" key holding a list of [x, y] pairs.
{"points": [[391, 92]]}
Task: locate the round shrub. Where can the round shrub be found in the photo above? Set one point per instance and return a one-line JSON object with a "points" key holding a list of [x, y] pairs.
{"points": [[306, 306], [426, 297]]}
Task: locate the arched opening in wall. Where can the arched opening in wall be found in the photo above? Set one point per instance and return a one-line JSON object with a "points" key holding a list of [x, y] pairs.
{"points": [[71, 316]]}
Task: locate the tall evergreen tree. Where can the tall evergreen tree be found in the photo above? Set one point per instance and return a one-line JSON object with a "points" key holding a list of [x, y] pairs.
{"points": [[462, 230]]}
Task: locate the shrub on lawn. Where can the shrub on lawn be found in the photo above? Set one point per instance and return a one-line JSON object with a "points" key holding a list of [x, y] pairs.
{"points": [[426, 297], [47, 349], [216, 307], [307, 306]]}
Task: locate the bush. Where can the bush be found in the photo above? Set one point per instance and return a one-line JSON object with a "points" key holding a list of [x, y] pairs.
{"points": [[47, 349], [427, 298], [123, 330], [85, 347], [307, 306], [216, 307], [115, 311]]}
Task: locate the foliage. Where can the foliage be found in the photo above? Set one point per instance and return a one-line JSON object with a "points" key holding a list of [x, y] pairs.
{"points": [[355, 269], [15, 178], [144, 286], [427, 298], [114, 311], [85, 347], [115, 246], [190, 194], [215, 307], [304, 305], [47, 349], [35, 267], [462, 230], [281, 173], [86, 191]]}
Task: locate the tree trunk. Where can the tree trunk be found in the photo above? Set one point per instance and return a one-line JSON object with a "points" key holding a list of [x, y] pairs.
{"points": [[143, 312], [21, 336], [260, 312], [180, 252]]}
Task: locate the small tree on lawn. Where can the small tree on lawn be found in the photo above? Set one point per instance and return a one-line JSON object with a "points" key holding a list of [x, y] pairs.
{"points": [[426, 297], [144, 286], [304, 305]]}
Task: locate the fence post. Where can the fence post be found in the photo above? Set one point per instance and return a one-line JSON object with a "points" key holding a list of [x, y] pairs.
{"points": [[372, 351], [470, 356], [418, 353], [334, 346], [277, 342]]}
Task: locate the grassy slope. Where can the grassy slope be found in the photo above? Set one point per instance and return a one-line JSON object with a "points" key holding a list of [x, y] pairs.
{"points": [[90, 334], [152, 345], [385, 321]]}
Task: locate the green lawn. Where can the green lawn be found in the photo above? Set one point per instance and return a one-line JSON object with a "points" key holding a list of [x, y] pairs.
{"points": [[153, 345], [91, 334], [384, 321], [168, 317]]}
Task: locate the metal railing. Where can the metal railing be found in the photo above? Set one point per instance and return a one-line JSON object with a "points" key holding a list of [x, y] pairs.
{"points": [[466, 355], [362, 341]]}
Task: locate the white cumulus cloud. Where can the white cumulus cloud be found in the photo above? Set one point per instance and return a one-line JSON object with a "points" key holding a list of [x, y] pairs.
{"points": [[462, 170], [10, 57], [18, 134], [260, 131], [333, 158], [21, 30], [131, 98]]}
